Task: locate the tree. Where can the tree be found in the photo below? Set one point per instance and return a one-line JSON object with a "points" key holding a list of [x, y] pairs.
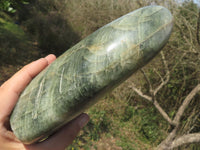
{"points": [[185, 40]]}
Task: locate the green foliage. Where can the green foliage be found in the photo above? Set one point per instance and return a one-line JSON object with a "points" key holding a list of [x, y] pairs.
{"points": [[47, 25], [149, 123], [5, 17], [128, 113], [125, 144], [11, 5], [6, 6], [99, 124], [16, 48], [12, 41]]}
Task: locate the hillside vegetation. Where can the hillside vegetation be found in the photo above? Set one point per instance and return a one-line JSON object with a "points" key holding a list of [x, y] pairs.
{"points": [[158, 106]]}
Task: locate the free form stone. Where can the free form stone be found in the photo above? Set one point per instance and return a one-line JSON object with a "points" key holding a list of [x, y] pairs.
{"points": [[88, 70]]}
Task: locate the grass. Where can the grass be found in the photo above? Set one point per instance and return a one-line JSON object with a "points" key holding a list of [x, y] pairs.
{"points": [[115, 124], [16, 49]]}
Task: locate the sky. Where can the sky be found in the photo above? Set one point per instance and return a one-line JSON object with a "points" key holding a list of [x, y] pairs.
{"points": [[197, 2]]}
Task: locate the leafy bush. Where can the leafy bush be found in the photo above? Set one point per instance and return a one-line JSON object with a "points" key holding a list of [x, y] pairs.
{"points": [[11, 5], [58, 25], [12, 41], [47, 25]]}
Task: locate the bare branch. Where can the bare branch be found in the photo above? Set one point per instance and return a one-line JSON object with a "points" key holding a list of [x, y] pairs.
{"points": [[156, 104], [189, 11], [139, 92], [167, 74], [156, 71], [185, 38], [189, 27], [194, 120], [163, 113], [147, 80], [165, 145], [186, 139], [185, 104], [178, 62], [170, 142], [154, 92]]}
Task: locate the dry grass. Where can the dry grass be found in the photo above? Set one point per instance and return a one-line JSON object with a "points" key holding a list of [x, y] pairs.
{"points": [[85, 16]]}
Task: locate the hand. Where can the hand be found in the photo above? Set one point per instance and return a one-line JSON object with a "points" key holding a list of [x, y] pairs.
{"points": [[9, 94]]}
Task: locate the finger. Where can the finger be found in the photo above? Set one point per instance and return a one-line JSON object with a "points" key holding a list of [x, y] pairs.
{"points": [[50, 58], [63, 137], [11, 89]]}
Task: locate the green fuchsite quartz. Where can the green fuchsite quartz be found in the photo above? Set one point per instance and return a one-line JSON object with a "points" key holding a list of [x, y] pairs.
{"points": [[88, 70]]}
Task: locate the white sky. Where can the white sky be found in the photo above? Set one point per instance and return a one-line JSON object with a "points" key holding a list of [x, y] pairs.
{"points": [[197, 2]]}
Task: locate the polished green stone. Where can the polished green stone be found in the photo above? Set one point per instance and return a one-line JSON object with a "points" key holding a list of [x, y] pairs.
{"points": [[88, 70]]}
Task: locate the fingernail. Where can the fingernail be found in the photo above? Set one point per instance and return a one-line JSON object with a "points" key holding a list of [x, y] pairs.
{"points": [[84, 120], [50, 58]]}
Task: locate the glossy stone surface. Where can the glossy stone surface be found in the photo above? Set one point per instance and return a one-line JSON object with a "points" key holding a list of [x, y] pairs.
{"points": [[85, 72]]}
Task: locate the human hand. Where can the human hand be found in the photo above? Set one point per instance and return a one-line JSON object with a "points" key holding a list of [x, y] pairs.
{"points": [[9, 94]]}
